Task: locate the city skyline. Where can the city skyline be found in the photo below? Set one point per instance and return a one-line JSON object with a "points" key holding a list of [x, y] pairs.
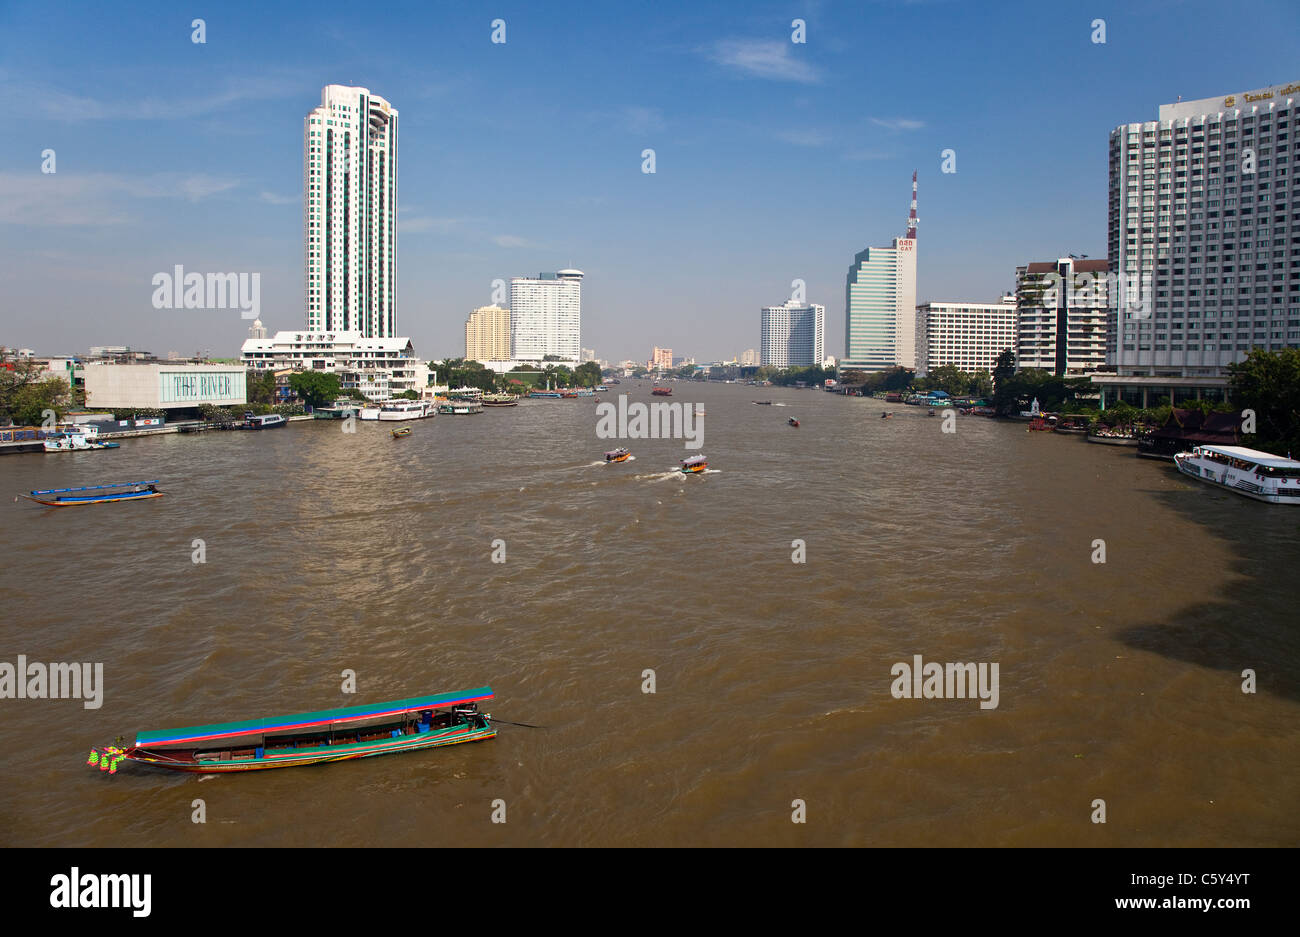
{"points": [[179, 163]]}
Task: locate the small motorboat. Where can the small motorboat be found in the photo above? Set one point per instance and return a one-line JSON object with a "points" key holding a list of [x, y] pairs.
{"points": [[399, 433], [886, 415], [694, 465], [761, 403], [793, 422], [931, 413], [618, 455], [72, 442]]}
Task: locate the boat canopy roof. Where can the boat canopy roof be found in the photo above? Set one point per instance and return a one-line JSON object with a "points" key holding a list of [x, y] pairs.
{"points": [[1253, 455], [58, 491], [254, 731]]}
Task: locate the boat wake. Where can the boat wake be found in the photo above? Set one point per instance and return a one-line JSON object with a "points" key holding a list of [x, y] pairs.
{"points": [[778, 405]]}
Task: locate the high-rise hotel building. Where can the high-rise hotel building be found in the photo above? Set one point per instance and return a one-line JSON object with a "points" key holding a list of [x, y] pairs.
{"points": [[966, 336], [1204, 226], [880, 305], [793, 335], [546, 316], [487, 334], [350, 213]]}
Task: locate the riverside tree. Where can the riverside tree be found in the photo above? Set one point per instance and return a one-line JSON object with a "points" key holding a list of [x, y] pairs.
{"points": [[27, 390], [315, 388], [1268, 382]]}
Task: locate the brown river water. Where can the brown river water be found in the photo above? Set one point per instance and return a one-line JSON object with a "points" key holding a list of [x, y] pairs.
{"points": [[328, 551]]}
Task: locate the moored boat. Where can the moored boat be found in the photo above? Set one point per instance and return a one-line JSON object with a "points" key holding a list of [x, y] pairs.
{"points": [[398, 410], [694, 465], [311, 738], [1249, 472], [618, 455], [1111, 438], [501, 400], [265, 421], [74, 442], [95, 494]]}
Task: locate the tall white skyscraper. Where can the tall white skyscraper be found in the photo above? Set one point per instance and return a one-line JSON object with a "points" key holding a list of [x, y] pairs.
{"points": [[546, 316], [350, 213], [880, 304], [793, 335]]}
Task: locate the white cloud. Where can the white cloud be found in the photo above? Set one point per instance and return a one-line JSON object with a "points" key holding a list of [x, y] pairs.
{"points": [[417, 225], [804, 137], [898, 123], [643, 119], [763, 58], [41, 101], [274, 199], [94, 199]]}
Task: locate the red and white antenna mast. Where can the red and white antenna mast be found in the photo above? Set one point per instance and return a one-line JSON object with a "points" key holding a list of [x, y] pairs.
{"points": [[911, 216]]}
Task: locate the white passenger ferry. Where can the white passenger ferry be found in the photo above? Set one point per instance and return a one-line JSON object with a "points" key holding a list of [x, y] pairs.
{"points": [[406, 410], [1259, 475]]}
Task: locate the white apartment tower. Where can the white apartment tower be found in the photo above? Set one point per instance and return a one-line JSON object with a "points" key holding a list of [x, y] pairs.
{"points": [[1204, 224], [792, 335], [350, 213], [1064, 315], [546, 316]]}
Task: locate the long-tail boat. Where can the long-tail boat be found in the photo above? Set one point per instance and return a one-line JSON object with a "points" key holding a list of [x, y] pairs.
{"points": [[95, 494], [309, 738], [618, 455]]}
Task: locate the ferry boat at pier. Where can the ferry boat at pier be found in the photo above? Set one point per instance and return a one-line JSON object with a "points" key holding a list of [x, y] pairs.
{"points": [[265, 421], [618, 455], [1249, 472], [397, 410], [310, 738], [694, 465]]}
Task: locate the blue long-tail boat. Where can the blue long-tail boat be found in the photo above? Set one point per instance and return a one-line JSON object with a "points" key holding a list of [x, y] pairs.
{"points": [[311, 738], [96, 494]]}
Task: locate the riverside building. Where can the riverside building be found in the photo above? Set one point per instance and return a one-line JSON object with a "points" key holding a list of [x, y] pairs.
{"points": [[1204, 224], [487, 334], [792, 335], [880, 304], [378, 367], [546, 317], [966, 336], [1064, 316], [350, 213]]}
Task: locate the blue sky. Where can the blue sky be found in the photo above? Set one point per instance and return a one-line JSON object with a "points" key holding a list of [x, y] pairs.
{"points": [[775, 160]]}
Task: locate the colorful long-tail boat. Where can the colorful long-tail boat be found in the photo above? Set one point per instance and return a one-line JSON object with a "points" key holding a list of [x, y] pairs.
{"points": [[95, 494], [310, 738]]}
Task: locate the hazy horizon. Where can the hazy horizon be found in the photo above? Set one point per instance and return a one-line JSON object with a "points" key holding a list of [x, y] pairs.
{"points": [[775, 160]]}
